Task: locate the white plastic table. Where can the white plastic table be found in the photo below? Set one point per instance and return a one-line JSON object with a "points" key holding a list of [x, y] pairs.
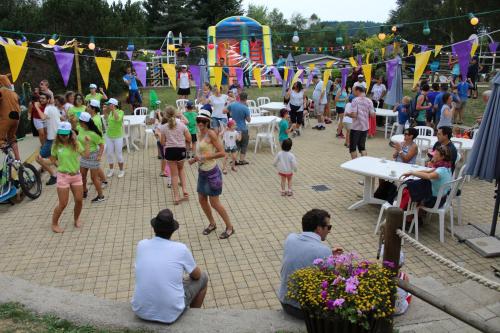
{"points": [[372, 168], [258, 121], [135, 127], [273, 107], [466, 143], [387, 114]]}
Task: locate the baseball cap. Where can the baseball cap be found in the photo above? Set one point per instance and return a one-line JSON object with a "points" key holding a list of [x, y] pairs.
{"points": [[164, 222], [184, 66], [360, 75], [64, 128], [95, 103], [112, 101], [93, 86], [231, 122], [85, 117], [189, 104], [204, 114]]}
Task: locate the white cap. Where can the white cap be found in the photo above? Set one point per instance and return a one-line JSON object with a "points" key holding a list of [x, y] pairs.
{"points": [[85, 117], [64, 128], [95, 103], [360, 75], [112, 101], [93, 86], [184, 66], [205, 114]]}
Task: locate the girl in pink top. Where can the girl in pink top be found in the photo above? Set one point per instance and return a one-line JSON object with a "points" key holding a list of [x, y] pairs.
{"points": [[174, 136]]}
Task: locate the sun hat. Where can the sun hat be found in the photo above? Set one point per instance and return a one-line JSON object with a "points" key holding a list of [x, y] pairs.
{"points": [[231, 122], [112, 101], [95, 103], [64, 128], [85, 117], [164, 221], [93, 86], [204, 114]]}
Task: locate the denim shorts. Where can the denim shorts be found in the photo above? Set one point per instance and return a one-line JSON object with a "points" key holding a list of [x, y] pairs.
{"points": [[45, 150], [217, 122]]}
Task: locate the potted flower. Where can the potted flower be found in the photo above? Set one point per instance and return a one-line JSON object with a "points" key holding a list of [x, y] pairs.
{"points": [[343, 293]]}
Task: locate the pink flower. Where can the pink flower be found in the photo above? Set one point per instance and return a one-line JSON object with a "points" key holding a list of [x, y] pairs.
{"points": [[337, 280], [318, 261], [351, 285], [324, 284], [330, 261], [338, 302]]}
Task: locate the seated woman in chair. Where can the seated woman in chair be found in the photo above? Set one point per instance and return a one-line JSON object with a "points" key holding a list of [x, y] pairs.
{"points": [[406, 151]]}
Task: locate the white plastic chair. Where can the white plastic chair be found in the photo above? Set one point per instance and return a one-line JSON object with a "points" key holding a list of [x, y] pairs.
{"points": [[423, 145], [263, 100], [251, 103], [396, 129], [388, 205], [425, 130], [266, 136], [441, 211], [457, 202], [126, 133], [307, 119], [254, 111], [142, 111], [458, 144], [181, 104]]}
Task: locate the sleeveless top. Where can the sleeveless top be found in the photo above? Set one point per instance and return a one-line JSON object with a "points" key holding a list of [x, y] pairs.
{"points": [[445, 121], [405, 150], [202, 148]]}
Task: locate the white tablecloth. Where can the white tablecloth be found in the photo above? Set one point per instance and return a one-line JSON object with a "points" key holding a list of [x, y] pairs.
{"points": [[372, 168]]}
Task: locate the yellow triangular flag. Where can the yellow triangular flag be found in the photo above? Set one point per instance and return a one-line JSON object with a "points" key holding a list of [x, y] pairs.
{"points": [[80, 50], [286, 74], [474, 48], [421, 60], [218, 75], [353, 62], [104, 66], [296, 77], [437, 49], [367, 72], [257, 75], [16, 55], [171, 73], [368, 58], [113, 54], [311, 66], [382, 51], [11, 41], [329, 64], [410, 48], [326, 76]]}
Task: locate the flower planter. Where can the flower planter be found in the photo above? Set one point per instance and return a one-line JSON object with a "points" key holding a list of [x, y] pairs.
{"points": [[317, 324]]}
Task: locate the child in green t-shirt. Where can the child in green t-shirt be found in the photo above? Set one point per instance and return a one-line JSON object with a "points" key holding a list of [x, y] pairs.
{"points": [[190, 115], [284, 126]]}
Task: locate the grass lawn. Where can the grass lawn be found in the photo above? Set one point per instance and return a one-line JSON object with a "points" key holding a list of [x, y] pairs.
{"points": [[474, 109], [16, 318]]}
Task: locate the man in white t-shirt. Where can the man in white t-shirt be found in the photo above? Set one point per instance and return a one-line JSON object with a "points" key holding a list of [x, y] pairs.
{"points": [[360, 83], [51, 116], [319, 98], [161, 292]]}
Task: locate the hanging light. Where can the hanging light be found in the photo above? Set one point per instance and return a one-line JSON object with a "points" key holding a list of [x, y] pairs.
{"points": [[211, 43], [130, 46], [426, 31], [473, 19], [295, 37], [339, 40], [92, 43], [394, 28], [381, 34], [53, 40]]}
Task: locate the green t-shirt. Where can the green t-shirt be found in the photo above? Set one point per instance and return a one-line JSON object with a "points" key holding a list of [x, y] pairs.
{"points": [[115, 127], [191, 117], [75, 111], [95, 139], [67, 158], [283, 127], [98, 122], [97, 97]]}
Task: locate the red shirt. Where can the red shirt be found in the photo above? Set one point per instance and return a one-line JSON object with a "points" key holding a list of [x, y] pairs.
{"points": [[34, 112]]}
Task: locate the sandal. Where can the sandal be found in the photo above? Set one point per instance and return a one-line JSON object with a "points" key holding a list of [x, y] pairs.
{"points": [[289, 193], [224, 171], [163, 175], [283, 193], [233, 168], [209, 229], [185, 197], [225, 234]]}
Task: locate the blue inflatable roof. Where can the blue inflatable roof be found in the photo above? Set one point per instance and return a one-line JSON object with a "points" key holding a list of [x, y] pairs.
{"points": [[232, 27]]}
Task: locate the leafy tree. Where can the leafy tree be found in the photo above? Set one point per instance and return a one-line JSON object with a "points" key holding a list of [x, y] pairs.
{"points": [[298, 21], [258, 13], [212, 11]]}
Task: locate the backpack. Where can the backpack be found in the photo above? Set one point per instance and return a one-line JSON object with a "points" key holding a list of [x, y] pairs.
{"points": [[413, 113]]}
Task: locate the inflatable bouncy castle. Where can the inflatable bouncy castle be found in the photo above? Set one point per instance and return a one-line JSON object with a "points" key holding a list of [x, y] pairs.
{"points": [[244, 35]]}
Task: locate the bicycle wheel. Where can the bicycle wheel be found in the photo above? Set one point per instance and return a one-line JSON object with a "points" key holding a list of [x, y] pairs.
{"points": [[29, 179]]}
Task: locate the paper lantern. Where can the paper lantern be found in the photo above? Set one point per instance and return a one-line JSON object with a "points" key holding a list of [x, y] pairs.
{"points": [[92, 43], [130, 46], [473, 19], [381, 34], [295, 37], [426, 31]]}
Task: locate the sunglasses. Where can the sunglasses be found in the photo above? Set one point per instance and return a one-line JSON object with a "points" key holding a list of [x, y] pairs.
{"points": [[328, 226], [202, 121]]}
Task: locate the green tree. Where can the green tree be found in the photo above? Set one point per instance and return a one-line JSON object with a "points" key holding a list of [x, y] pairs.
{"points": [[258, 13], [298, 21], [212, 11]]}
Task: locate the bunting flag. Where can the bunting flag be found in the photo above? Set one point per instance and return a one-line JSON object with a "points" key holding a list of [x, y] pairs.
{"points": [[301, 76], [217, 75], [285, 74], [421, 60], [382, 51], [389, 49], [309, 79], [104, 66], [140, 68], [277, 75], [473, 49], [326, 76], [239, 76], [296, 77], [171, 73], [311, 67], [367, 60], [410, 48], [353, 62], [367, 72], [129, 54], [257, 75], [329, 64], [493, 47], [196, 75], [80, 50], [291, 74], [360, 59], [390, 69], [437, 49], [15, 56], [344, 72], [463, 50], [113, 54], [64, 61], [423, 48]]}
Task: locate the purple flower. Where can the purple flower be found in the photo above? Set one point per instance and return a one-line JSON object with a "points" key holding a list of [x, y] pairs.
{"points": [[324, 294], [351, 285], [338, 302], [389, 264], [324, 284], [318, 261], [360, 271], [330, 261], [330, 305], [337, 280]]}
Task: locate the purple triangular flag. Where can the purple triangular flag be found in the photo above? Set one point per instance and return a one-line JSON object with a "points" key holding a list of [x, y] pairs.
{"points": [[423, 48], [291, 74], [388, 49], [187, 49], [360, 60], [129, 54], [453, 51], [195, 73], [239, 76], [2, 40], [64, 61], [309, 79], [158, 52], [493, 47], [301, 76], [390, 69], [277, 75], [140, 68], [344, 72], [463, 50]]}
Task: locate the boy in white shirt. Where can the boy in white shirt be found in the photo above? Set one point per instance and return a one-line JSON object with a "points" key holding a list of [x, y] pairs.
{"points": [[230, 136], [286, 163]]}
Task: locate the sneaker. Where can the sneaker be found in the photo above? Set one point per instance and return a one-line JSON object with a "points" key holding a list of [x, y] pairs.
{"points": [[298, 132], [52, 180], [294, 134], [98, 199], [315, 127], [121, 173], [322, 128], [104, 184], [110, 173]]}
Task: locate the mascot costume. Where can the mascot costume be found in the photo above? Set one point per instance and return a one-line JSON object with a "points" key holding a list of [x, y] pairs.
{"points": [[9, 114]]}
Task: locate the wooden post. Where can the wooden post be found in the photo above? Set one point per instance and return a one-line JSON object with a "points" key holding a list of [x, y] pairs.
{"points": [[77, 67]]}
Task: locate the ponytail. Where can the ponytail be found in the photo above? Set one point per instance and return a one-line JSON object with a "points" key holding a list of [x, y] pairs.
{"points": [[92, 127], [170, 114]]}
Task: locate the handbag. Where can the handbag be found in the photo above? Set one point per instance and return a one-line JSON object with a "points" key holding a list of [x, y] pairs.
{"points": [[214, 178]]}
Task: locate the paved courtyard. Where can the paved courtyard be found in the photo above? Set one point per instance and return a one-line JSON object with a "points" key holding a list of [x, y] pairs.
{"points": [[244, 270]]}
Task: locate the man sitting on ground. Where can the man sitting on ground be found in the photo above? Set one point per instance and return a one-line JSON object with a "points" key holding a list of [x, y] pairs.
{"points": [[160, 293], [300, 250]]}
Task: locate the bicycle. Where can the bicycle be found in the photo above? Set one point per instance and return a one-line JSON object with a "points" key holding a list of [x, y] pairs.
{"points": [[28, 177]]}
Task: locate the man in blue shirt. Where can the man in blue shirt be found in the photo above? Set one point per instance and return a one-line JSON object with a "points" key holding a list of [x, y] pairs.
{"points": [[301, 250], [431, 97], [463, 93], [225, 76], [134, 97], [240, 113]]}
